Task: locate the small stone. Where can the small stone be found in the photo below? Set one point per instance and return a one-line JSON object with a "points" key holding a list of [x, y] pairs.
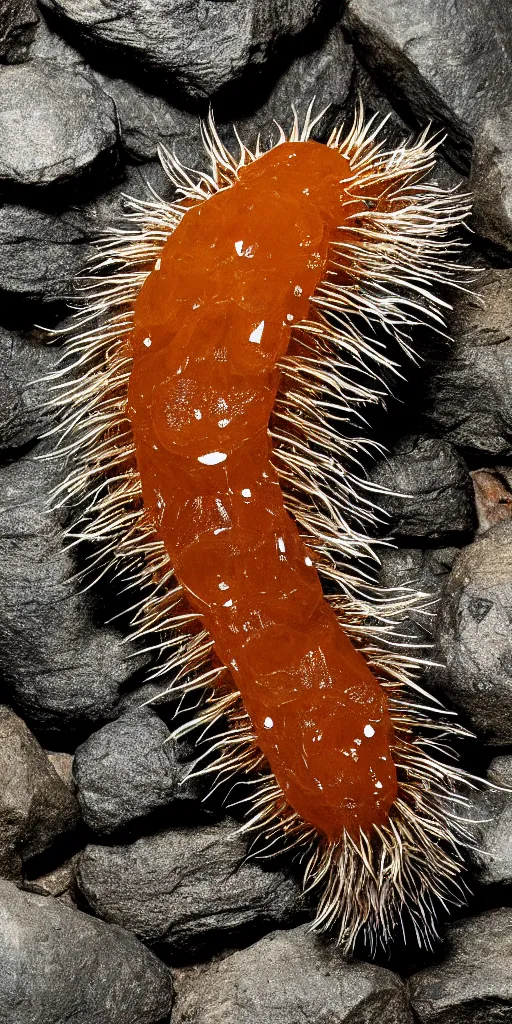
{"points": [[189, 888], [433, 493], [473, 983], [210, 45], [493, 807], [493, 495], [63, 671], [54, 883], [292, 976], [36, 808], [59, 964], [18, 24], [42, 251], [449, 65], [468, 387], [130, 769], [55, 123], [63, 764], [23, 399], [474, 634]]}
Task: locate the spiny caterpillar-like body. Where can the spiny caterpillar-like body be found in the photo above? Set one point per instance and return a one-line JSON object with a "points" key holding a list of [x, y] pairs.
{"points": [[241, 326]]}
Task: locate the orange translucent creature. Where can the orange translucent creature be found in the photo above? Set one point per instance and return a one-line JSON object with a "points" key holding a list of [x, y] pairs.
{"points": [[211, 323]]}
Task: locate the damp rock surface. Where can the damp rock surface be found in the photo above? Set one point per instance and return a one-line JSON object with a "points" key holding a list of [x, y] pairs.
{"points": [[55, 123], [473, 983], [36, 808], [211, 45], [59, 964], [290, 976], [493, 807], [431, 491], [130, 769], [189, 888], [474, 634]]}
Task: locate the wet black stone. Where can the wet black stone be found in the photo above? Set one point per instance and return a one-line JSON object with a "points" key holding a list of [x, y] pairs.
{"points": [[189, 888], [473, 983], [292, 976], [59, 964]]}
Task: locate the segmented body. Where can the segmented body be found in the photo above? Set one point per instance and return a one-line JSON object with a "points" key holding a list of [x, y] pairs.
{"points": [[210, 326], [263, 298]]}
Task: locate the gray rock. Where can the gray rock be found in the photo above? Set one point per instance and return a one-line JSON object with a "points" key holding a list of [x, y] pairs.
{"points": [[18, 23], [49, 45], [55, 123], [433, 491], [473, 984], [59, 882], [23, 399], [63, 671], [288, 977], [61, 965], [63, 764], [469, 387], [493, 808], [474, 634], [450, 64], [187, 888], [36, 808], [323, 75], [200, 47], [129, 769], [423, 571], [42, 251]]}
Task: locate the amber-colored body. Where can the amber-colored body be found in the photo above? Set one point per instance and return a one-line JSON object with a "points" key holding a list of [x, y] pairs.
{"points": [[211, 323]]}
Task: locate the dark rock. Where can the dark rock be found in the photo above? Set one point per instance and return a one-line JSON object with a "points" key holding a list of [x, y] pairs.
{"points": [[54, 883], [130, 769], [49, 45], [323, 75], [493, 495], [55, 123], [468, 391], [473, 984], [450, 64], [61, 965], [200, 47], [425, 572], [291, 976], [147, 120], [493, 858], [433, 492], [41, 252], [63, 764], [36, 808], [474, 634], [18, 23], [188, 888], [63, 671], [23, 397]]}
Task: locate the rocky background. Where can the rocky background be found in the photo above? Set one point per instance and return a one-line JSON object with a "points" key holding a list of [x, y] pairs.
{"points": [[123, 898]]}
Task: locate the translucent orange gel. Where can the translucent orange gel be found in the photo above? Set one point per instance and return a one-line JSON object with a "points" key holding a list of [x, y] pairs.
{"points": [[210, 324]]}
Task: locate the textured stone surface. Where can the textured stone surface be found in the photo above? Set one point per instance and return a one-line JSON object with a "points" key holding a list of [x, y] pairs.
{"points": [[288, 977], [18, 23], [130, 769], [434, 492], [55, 123], [473, 984], [474, 634], [188, 888], [424, 571], [36, 808], [62, 965], [42, 251], [210, 44], [450, 64], [493, 858], [23, 415], [62, 670], [469, 385]]}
